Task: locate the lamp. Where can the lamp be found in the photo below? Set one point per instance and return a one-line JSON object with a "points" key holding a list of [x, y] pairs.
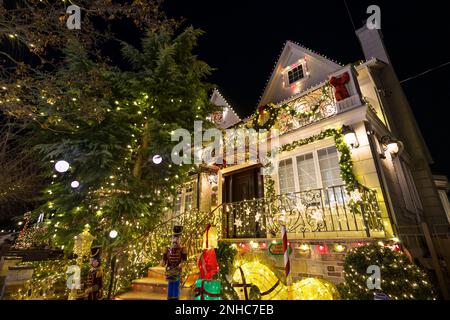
{"points": [[350, 137], [391, 145]]}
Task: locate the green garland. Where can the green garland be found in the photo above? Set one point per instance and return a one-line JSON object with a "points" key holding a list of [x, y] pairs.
{"points": [[225, 254], [274, 111], [345, 161], [269, 186]]}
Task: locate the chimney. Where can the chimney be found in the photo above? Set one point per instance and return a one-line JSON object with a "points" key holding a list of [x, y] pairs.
{"points": [[372, 44]]}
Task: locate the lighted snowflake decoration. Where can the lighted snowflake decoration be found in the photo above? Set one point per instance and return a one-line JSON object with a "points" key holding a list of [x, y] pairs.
{"points": [[317, 215]]}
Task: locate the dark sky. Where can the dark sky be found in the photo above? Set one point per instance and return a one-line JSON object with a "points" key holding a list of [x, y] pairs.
{"points": [[244, 38]]}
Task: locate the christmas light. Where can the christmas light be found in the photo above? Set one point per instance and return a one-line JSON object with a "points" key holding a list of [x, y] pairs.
{"points": [[75, 184], [62, 166], [157, 159], [113, 234]]}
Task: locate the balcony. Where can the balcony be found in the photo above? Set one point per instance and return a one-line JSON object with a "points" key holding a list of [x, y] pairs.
{"points": [[318, 103], [313, 106], [315, 214]]}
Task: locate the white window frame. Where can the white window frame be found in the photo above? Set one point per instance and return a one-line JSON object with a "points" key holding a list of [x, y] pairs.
{"points": [[286, 70], [183, 195], [294, 156]]}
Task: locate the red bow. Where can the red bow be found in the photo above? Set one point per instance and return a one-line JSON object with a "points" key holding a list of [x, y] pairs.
{"points": [[338, 83]]}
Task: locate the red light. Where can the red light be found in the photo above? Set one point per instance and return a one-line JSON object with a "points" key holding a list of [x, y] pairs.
{"points": [[322, 249]]}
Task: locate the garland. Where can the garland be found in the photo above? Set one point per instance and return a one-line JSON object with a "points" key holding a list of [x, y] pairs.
{"points": [[273, 112], [345, 160]]}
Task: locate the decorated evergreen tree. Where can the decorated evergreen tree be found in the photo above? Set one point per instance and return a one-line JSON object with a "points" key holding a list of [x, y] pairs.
{"points": [[400, 278], [110, 119]]}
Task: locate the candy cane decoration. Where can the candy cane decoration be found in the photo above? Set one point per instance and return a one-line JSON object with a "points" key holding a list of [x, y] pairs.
{"points": [[287, 264]]}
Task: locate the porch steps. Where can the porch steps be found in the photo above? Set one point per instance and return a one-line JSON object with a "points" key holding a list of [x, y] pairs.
{"points": [[153, 287]]}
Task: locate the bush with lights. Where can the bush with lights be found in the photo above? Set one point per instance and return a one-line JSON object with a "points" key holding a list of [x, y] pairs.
{"points": [[225, 257], [400, 278]]}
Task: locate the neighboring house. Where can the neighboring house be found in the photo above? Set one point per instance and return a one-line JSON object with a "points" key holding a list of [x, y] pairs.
{"points": [[318, 106]]}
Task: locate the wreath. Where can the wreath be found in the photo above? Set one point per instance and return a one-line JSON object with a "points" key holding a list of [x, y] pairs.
{"points": [[265, 117]]}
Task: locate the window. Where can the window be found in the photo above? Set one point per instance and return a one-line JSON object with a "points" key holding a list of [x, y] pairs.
{"points": [[306, 171], [286, 177], [315, 170], [184, 199], [188, 197], [329, 167], [177, 202], [295, 74]]}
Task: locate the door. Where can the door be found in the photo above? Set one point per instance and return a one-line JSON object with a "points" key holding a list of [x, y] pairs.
{"points": [[243, 185], [241, 188]]}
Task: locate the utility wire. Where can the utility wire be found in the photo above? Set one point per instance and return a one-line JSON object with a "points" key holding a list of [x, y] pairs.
{"points": [[425, 72], [350, 15]]}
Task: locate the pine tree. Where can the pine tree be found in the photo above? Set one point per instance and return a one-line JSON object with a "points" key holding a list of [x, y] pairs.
{"points": [[108, 120]]}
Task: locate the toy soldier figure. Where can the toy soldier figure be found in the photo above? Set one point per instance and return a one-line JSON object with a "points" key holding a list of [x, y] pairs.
{"points": [[173, 258], [94, 283]]}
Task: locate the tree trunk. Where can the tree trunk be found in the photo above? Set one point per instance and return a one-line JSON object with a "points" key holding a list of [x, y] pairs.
{"points": [[137, 170]]}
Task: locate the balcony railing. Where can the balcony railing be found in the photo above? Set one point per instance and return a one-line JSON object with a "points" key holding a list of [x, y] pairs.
{"points": [[314, 106], [304, 213]]}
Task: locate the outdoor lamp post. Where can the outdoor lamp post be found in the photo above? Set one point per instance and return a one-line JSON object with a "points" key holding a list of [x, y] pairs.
{"points": [[350, 137], [391, 145]]}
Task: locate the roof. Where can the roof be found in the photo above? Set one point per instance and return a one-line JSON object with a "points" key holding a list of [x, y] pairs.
{"points": [[289, 45]]}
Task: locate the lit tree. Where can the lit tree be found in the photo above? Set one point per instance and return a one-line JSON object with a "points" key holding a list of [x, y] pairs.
{"points": [[108, 117], [400, 279]]}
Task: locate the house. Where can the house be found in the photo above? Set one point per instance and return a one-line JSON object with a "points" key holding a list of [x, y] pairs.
{"points": [[353, 166]]}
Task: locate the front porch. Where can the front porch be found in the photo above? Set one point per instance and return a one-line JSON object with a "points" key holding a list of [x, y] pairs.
{"points": [[329, 213]]}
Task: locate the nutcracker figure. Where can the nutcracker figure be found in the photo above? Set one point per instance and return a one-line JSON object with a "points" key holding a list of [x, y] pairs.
{"points": [[173, 258], [94, 283]]}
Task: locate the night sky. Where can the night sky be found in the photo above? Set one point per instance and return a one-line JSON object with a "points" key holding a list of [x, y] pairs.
{"points": [[244, 39]]}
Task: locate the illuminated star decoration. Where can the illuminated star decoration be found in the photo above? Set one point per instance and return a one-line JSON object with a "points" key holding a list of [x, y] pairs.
{"points": [[238, 223], [257, 216], [300, 207]]}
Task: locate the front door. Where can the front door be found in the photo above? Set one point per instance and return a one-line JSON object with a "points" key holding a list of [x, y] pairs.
{"points": [[243, 185], [240, 188]]}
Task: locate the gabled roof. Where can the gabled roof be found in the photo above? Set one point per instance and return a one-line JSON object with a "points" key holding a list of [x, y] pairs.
{"points": [[230, 116], [291, 46]]}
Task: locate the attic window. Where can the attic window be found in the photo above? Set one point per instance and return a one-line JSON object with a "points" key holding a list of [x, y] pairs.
{"points": [[295, 74]]}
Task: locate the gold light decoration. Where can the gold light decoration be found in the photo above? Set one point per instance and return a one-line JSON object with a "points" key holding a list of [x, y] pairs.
{"points": [[315, 289], [83, 243], [210, 238]]}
